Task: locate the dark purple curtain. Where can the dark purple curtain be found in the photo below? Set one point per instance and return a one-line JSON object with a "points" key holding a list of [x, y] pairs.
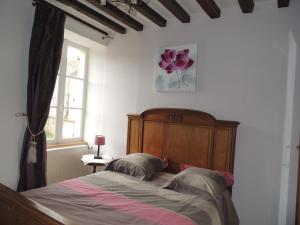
{"points": [[44, 59]]}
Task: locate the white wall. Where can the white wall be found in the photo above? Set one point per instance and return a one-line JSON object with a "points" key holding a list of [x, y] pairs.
{"points": [[294, 140], [287, 134], [16, 19], [120, 91], [94, 110], [65, 163], [242, 70]]}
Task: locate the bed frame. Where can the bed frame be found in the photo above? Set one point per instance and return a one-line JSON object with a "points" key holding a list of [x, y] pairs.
{"points": [[181, 135]]}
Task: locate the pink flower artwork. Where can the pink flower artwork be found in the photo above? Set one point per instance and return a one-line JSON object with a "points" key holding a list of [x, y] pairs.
{"points": [[176, 63]]}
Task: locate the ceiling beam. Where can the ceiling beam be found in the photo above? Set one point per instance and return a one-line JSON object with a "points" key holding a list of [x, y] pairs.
{"points": [[247, 6], [84, 9], [118, 14], [210, 7], [283, 3], [176, 10], [148, 12], [74, 17]]}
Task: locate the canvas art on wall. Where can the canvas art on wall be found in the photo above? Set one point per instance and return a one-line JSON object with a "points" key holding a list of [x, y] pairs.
{"points": [[175, 68]]}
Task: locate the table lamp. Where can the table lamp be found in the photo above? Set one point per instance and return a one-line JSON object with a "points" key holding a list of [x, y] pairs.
{"points": [[99, 140]]}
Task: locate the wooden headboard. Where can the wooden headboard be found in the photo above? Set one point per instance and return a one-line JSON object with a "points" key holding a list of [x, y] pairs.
{"points": [[183, 136]]}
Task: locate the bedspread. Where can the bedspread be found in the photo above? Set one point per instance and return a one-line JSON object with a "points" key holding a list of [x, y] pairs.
{"points": [[110, 198]]}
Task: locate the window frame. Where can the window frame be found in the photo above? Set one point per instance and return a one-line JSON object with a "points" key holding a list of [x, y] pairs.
{"points": [[61, 79]]}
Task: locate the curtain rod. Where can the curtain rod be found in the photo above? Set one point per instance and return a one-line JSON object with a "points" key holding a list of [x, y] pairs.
{"points": [[35, 2]]}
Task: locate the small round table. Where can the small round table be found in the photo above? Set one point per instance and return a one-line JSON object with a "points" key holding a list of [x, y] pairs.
{"points": [[88, 160]]}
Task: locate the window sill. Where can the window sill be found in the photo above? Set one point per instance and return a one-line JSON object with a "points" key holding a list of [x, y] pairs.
{"points": [[66, 145]]}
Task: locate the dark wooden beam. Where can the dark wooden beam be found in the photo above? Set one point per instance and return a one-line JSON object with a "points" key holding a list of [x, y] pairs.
{"points": [[210, 7], [148, 12], [75, 18], [176, 10], [247, 6], [283, 3], [118, 14], [84, 9]]}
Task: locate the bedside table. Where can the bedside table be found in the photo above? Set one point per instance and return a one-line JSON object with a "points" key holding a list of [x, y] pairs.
{"points": [[88, 160]]}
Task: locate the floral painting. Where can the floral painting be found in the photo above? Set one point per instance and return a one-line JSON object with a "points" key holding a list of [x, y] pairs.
{"points": [[176, 68]]}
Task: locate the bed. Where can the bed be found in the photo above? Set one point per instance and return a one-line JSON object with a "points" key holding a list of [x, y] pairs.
{"points": [[182, 136]]}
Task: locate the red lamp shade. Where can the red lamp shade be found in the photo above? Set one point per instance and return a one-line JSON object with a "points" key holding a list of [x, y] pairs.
{"points": [[99, 140]]}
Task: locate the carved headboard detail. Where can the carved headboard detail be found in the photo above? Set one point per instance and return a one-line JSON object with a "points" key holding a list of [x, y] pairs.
{"points": [[183, 136]]}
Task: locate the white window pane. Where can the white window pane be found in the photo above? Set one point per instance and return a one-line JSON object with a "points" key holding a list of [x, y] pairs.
{"points": [[50, 125], [55, 93], [72, 123], [75, 62], [73, 93]]}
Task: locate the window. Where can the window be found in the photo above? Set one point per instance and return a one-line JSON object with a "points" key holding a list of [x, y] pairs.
{"points": [[66, 117]]}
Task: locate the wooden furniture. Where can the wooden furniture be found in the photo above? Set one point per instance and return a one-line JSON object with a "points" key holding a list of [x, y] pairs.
{"points": [[89, 160], [181, 135], [94, 165], [17, 210]]}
